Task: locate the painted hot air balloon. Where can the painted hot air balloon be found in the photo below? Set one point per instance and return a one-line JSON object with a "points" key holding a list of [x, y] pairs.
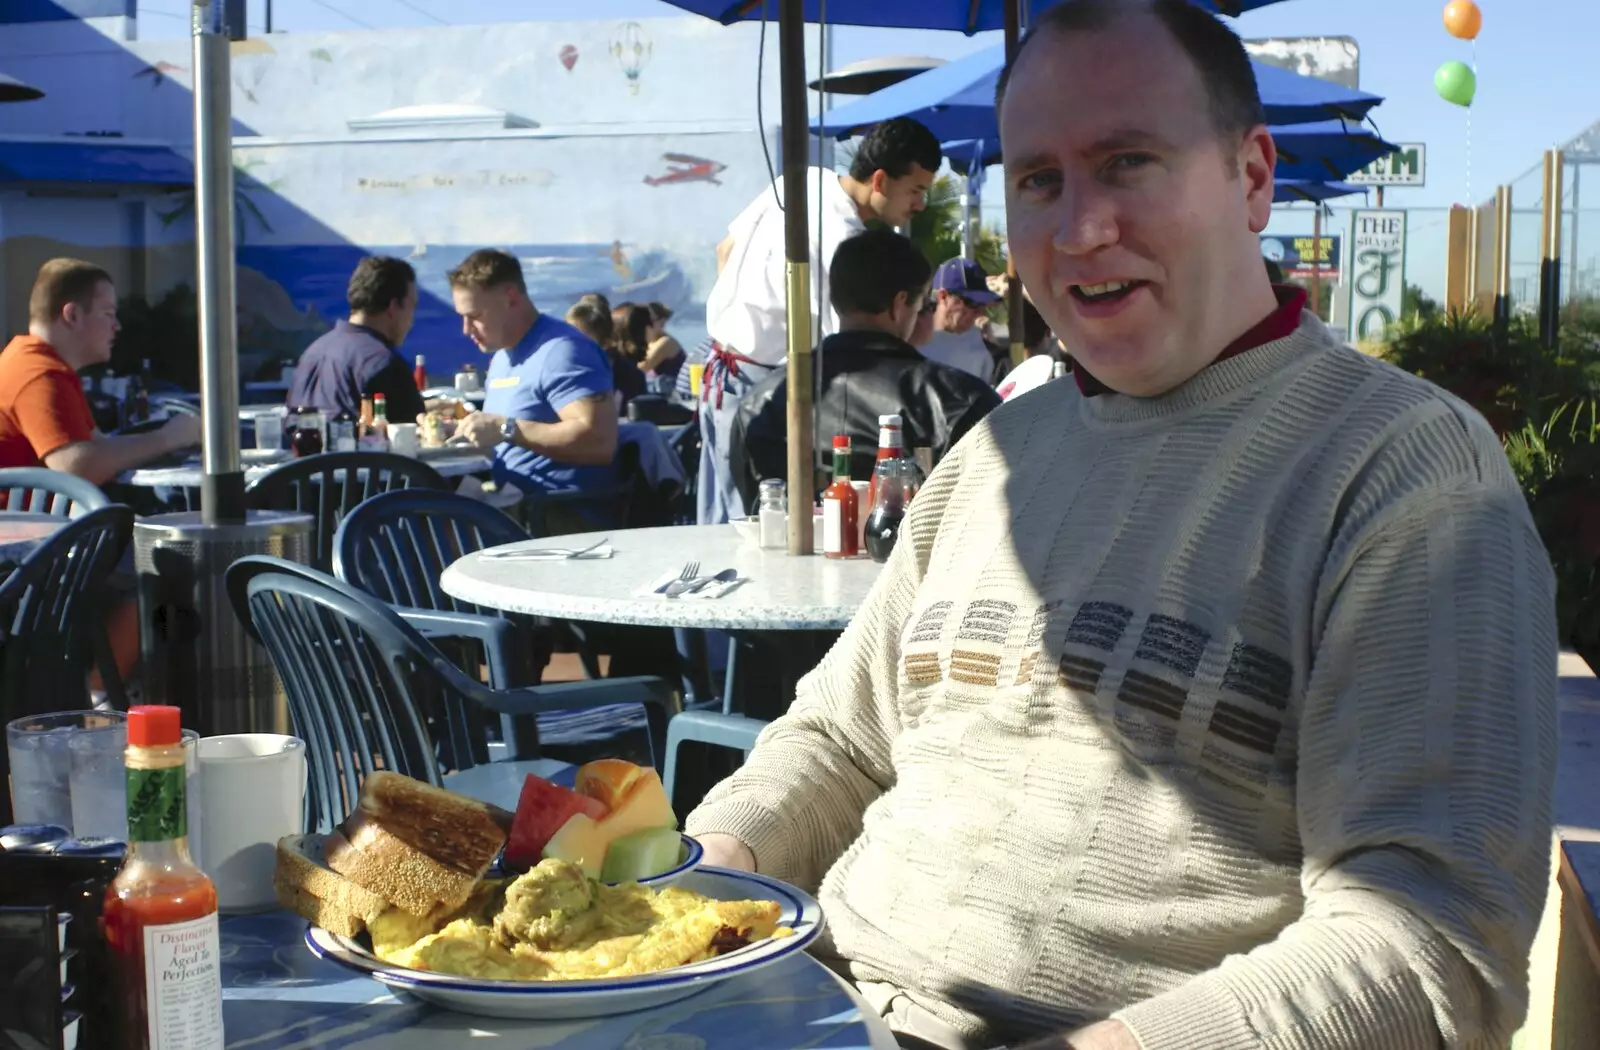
{"points": [[631, 48], [568, 56]]}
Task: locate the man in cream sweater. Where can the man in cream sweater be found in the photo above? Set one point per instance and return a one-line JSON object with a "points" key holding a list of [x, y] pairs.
{"points": [[1207, 702]]}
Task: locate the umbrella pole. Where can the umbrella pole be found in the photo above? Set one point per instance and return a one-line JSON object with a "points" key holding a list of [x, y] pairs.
{"points": [[1013, 35], [222, 483], [1316, 262], [797, 253]]}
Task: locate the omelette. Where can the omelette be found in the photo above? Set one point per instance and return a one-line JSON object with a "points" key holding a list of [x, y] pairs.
{"points": [[554, 923]]}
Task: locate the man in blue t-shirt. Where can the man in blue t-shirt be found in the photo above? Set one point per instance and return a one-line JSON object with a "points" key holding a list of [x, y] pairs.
{"points": [[549, 415]]}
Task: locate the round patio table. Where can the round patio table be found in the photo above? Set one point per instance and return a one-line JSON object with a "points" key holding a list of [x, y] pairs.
{"points": [[780, 593], [21, 534], [189, 474]]}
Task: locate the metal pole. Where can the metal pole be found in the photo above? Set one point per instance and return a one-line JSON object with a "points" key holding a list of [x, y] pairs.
{"points": [[1475, 231], [269, 23], [1316, 263], [1550, 256], [1379, 202], [1577, 290], [1502, 262], [797, 253], [1013, 38], [222, 484], [967, 246]]}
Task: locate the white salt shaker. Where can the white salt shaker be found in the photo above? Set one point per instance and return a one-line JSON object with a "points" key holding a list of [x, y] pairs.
{"points": [[773, 515]]}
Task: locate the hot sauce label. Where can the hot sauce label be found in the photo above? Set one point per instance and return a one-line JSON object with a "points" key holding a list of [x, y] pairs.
{"points": [[183, 983], [156, 810]]}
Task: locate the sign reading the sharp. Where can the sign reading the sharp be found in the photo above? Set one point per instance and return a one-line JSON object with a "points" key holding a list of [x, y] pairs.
{"points": [[1377, 271], [1407, 166]]}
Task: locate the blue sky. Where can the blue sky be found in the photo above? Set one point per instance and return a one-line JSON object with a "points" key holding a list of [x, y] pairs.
{"points": [[1534, 59]]}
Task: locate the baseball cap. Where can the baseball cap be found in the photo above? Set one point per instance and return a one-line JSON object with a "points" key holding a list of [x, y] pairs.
{"points": [[965, 279]]}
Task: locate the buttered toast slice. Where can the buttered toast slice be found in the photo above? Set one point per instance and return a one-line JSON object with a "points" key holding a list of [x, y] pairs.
{"points": [[415, 845], [305, 885]]}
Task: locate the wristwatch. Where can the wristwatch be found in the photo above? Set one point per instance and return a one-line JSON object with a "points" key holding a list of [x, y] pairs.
{"points": [[508, 431]]}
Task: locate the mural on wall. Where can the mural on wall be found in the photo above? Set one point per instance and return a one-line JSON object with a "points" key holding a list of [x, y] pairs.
{"points": [[687, 168], [631, 48], [558, 165]]}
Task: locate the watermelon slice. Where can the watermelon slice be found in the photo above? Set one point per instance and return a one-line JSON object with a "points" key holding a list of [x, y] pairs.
{"points": [[541, 811], [642, 855]]}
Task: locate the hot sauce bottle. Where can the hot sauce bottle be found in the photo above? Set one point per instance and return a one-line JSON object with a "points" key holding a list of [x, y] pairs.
{"points": [[840, 535], [419, 375], [160, 916]]}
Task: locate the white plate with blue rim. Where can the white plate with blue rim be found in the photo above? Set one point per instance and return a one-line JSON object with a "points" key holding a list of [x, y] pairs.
{"points": [[565, 1000]]}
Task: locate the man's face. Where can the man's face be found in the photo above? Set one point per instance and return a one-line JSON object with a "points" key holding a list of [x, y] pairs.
{"points": [[956, 313], [1132, 223], [906, 314], [95, 325], [922, 330], [895, 200], [486, 315]]}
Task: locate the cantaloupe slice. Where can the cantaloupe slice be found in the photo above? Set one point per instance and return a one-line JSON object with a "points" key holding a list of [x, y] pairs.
{"points": [[645, 806], [582, 842]]}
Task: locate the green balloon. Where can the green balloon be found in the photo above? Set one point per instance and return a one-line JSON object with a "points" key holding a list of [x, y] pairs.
{"points": [[1457, 83]]}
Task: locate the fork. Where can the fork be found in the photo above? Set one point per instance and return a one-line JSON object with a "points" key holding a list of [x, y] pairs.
{"points": [[690, 571], [545, 553]]}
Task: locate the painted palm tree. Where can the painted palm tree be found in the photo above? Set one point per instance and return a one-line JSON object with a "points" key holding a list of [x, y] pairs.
{"points": [[245, 210]]}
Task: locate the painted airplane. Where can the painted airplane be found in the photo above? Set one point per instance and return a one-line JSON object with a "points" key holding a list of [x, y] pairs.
{"points": [[687, 168]]}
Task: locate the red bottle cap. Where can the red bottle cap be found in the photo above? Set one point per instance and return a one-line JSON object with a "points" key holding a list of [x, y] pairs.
{"points": [[379, 397], [151, 725], [841, 441]]}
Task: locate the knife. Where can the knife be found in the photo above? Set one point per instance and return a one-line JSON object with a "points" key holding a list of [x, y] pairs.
{"points": [[694, 586]]}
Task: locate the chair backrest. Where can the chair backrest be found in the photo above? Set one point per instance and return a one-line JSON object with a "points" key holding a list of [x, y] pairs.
{"points": [[45, 605], [396, 546], [363, 686], [333, 484], [40, 490]]}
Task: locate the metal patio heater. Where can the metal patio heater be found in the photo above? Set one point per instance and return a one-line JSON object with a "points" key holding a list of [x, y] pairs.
{"points": [[197, 656]]}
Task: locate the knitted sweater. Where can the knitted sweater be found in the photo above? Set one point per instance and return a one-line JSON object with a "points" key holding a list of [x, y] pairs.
{"points": [[1229, 713]]}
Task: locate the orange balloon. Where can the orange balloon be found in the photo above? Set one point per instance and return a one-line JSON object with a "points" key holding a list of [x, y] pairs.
{"points": [[1463, 18]]}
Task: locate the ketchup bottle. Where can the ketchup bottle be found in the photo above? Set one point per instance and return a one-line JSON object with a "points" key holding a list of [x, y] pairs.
{"points": [[160, 917], [891, 445], [420, 374], [841, 537]]}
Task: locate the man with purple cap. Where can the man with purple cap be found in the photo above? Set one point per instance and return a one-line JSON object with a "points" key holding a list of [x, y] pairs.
{"points": [[963, 294]]}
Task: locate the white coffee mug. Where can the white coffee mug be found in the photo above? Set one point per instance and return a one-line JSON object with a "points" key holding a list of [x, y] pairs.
{"points": [[404, 439], [253, 789]]}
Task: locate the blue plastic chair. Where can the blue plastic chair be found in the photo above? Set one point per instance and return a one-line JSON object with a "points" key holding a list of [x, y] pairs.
{"points": [[707, 727], [40, 490], [363, 684], [47, 609], [397, 545], [333, 484]]}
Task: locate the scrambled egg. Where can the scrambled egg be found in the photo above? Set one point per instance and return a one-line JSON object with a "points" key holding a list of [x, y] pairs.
{"points": [[554, 923]]}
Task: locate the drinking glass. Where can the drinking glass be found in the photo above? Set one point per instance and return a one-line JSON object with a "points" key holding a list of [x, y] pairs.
{"points": [[41, 761], [99, 784], [269, 431]]}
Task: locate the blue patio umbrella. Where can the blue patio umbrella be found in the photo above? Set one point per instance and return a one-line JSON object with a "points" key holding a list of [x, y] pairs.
{"points": [[1293, 191], [956, 100], [965, 16], [1306, 152]]}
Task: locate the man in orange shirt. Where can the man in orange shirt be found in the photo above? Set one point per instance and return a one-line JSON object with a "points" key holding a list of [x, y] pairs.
{"points": [[44, 415]]}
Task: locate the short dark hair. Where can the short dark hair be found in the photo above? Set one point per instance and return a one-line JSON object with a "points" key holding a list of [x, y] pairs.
{"points": [[488, 268], [871, 268], [593, 322], [1216, 51], [660, 312], [63, 281], [893, 147], [379, 280], [596, 299]]}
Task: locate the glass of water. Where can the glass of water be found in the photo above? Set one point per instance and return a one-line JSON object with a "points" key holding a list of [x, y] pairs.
{"points": [[100, 782], [41, 760], [269, 431]]}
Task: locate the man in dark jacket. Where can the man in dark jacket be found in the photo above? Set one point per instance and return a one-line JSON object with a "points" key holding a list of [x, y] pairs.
{"points": [[878, 284], [361, 357]]}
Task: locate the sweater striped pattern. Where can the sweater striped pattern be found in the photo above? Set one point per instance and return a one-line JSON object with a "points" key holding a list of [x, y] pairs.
{"points": [[1229, 713]]}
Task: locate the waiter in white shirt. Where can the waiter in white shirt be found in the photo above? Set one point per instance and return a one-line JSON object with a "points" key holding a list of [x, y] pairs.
{"points": [[889, 180]]}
